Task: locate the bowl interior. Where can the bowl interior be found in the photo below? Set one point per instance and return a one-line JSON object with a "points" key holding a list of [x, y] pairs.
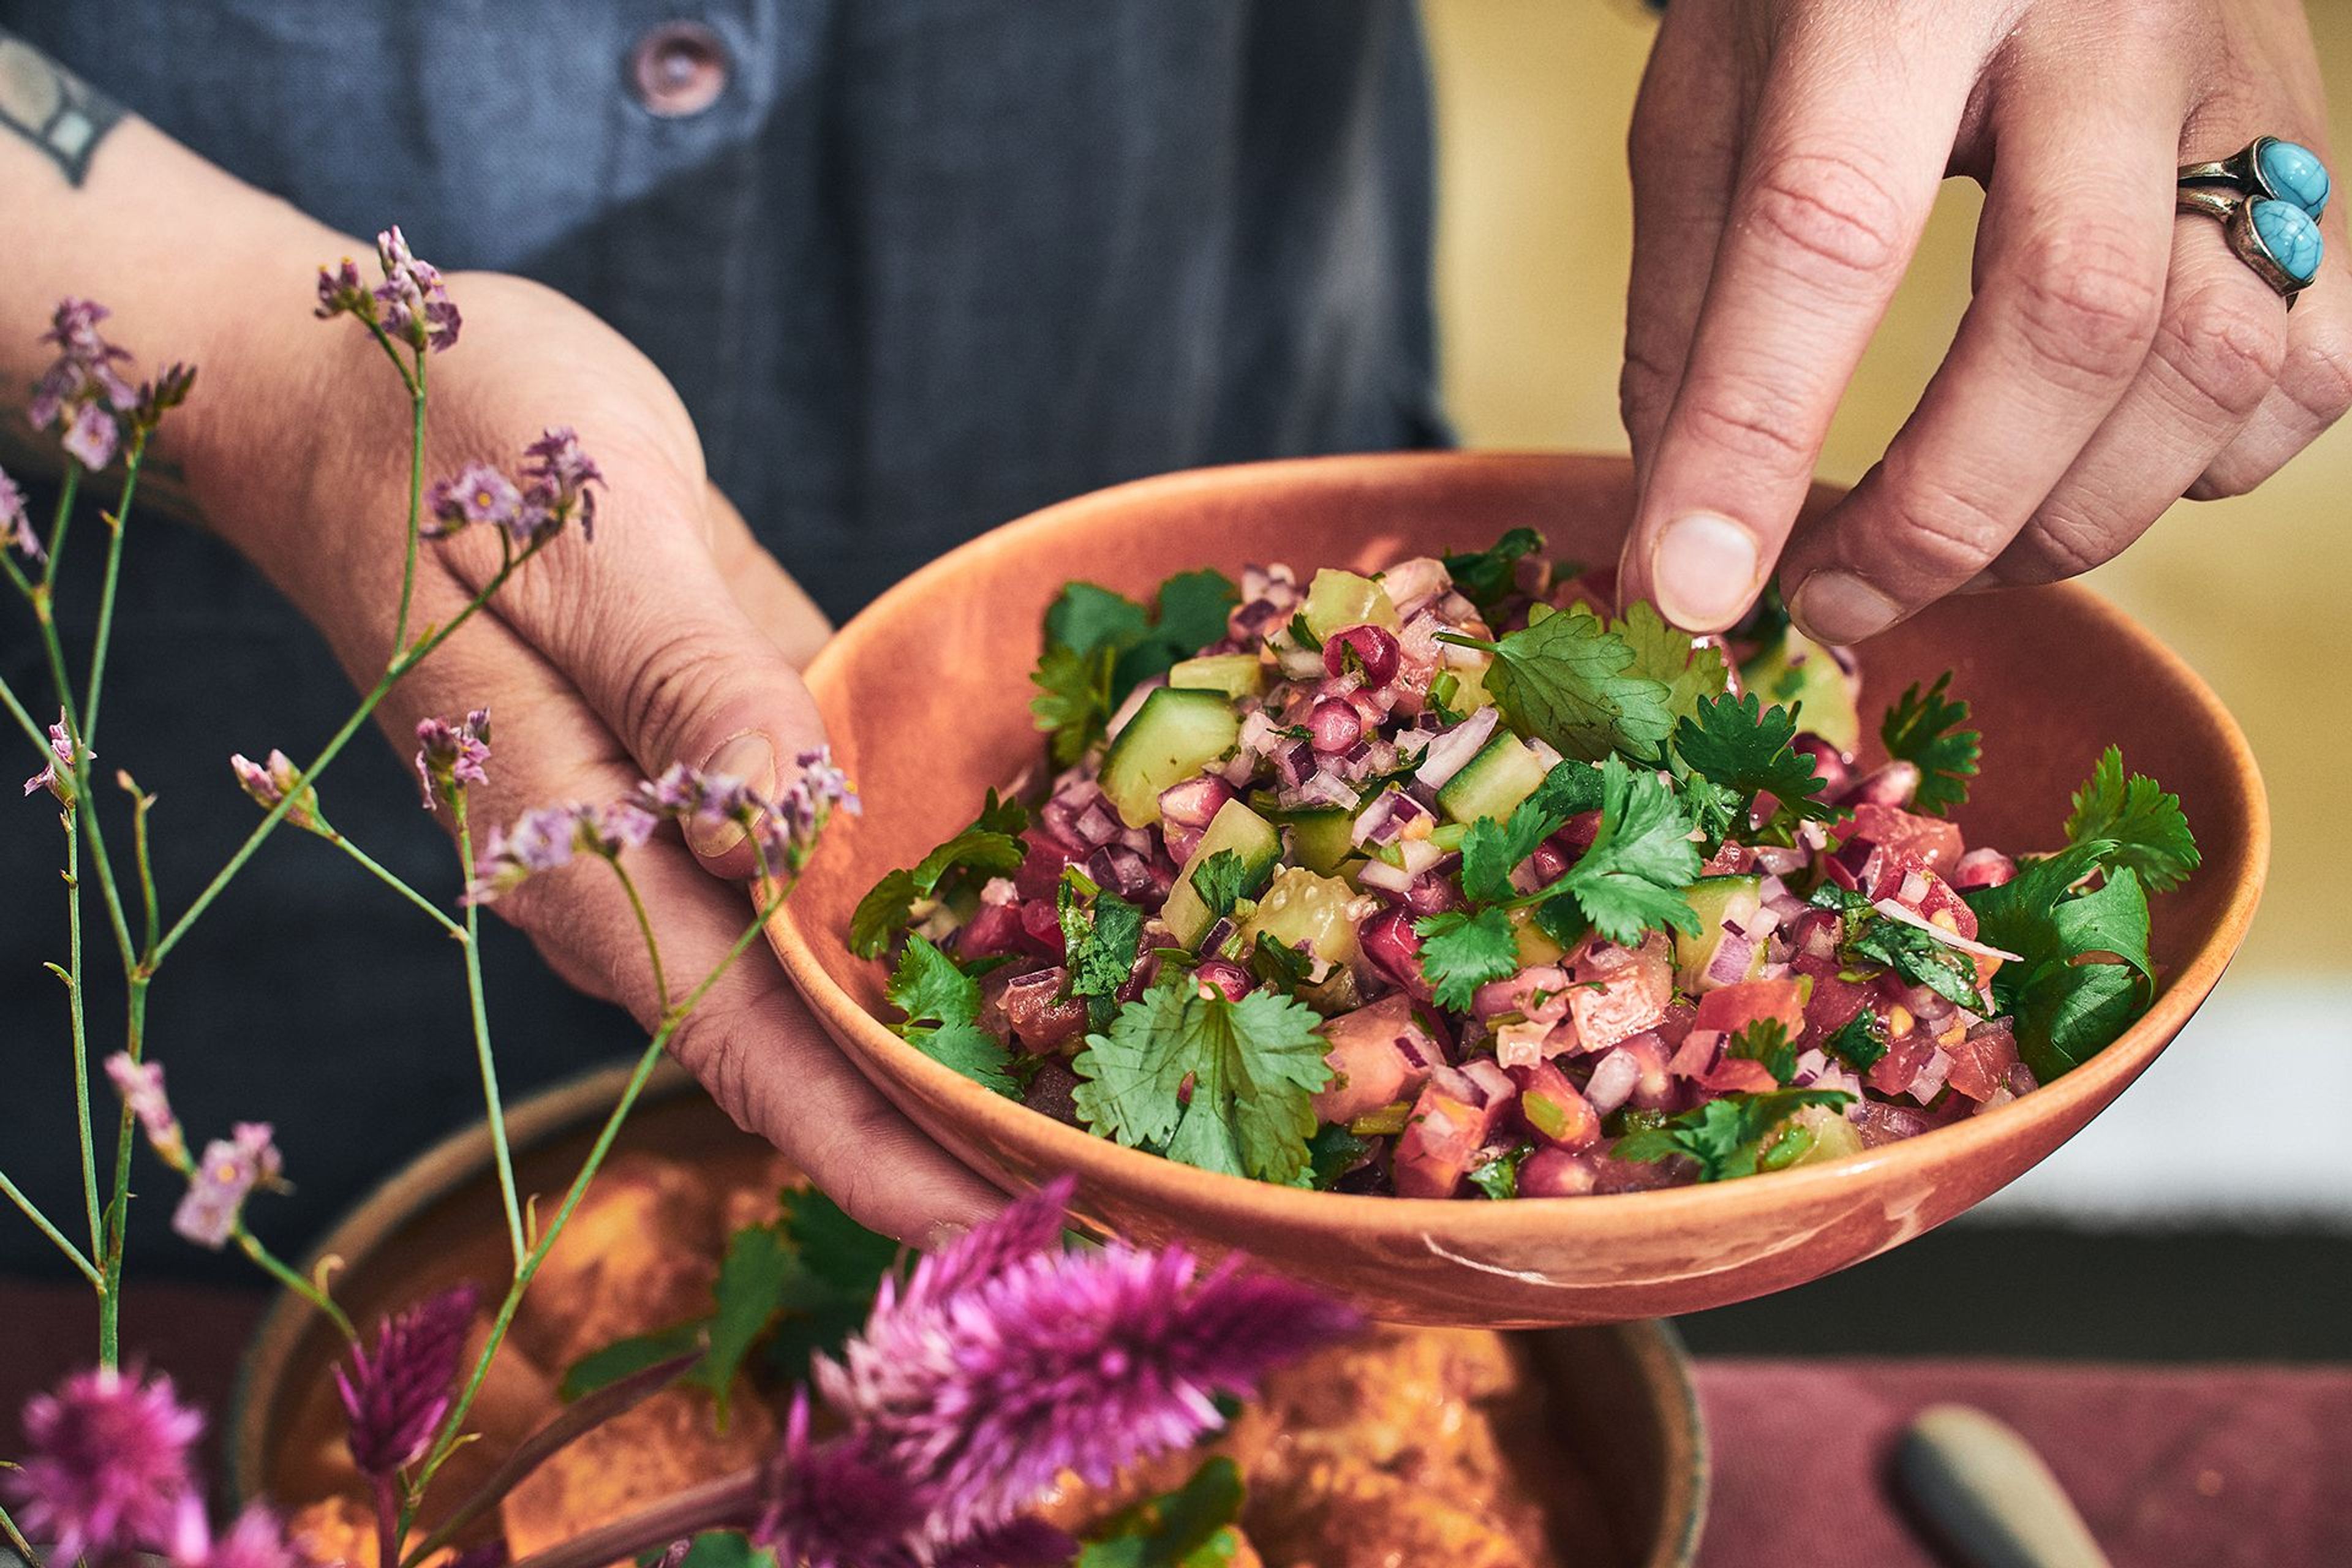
{"points": [[925, 698], [1619, 1397]]}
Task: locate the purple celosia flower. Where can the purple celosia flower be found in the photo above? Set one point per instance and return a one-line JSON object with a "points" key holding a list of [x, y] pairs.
{"points": [[410, 301], [257, 1540], [57, 776], [1006, 1360], [81, 386], [106, 1464], [16, 522], [451, 756], [394, 1396], [141, 1085], [557, 474], [550, 837], [268, 783], [229, 1173]]}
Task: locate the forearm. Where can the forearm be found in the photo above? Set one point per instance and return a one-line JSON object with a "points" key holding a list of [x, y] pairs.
{"points": [[195, 265]]}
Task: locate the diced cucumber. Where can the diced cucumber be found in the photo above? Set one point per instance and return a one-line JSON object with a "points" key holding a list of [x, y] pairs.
{"points": [[1302, 909], [1535, 945], [1807, 1137], [1795, 672], [1236, 675], [1175, 734], [1716, 900], [1245, 833], [1338, 600], [1504, 771], [1321, 837]]}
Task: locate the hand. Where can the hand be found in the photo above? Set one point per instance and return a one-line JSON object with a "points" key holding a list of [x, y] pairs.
{"points": [[1785, 154], [671, 636]]}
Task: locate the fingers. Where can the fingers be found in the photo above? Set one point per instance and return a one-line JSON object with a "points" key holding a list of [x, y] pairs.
{"points": [[2217, 356], [1829, 207], [1684, 153], [2074, 249], [2314, 385]]}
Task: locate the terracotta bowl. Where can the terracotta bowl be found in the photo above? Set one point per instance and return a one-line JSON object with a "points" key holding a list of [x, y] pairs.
{"points": [[1619, 1397], [925, 695]]}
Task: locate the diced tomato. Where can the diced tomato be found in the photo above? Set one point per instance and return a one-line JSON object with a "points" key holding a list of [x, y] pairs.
{"points": [[1552, 1110], [993, 929], [1040, 867], [1621, 992], [1556, 1173], [1941, 900], [1453, 1119], [1041, 1017], [1981, 1062], [1905, 1055], [1834, 1001], [1739, 1073], [1929, 841], [1379, 1055], [1731, 1008]]}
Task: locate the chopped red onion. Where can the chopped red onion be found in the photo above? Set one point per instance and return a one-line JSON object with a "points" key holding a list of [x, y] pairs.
{"points": [[1931, 1077], [1323, 788], [1390, 812], [1613, 1077], [1128, 709], [1450, 751], [1732, 956], [1895, 784], [1952, 939], [1387, 877]]}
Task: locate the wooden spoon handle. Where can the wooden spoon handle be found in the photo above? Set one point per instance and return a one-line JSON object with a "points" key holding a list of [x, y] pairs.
{"points": [[1989, 1495]]}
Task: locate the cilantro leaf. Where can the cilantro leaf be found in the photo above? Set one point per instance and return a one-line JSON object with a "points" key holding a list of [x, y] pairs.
{"points": [[1101, 935], [1331, 1154], [1220, 881], [1724, 1135], [1460, 952], [942, 1007], [1279, 963], [1488, 576], [1192, 1527], [1193, 609], [1860, 1042], [1691, 671], [1924, 729], [1073, 704], [1766, 1041], [1563, 679], [1915, 955], [1254, 1066], [840, 1265], [1633, 876], [1492, 851], [2068, 1003], [990, 846], [1746, 749], [1498, 1178], [751, 1279], [2149, 830], [1086, 617], [625, 1357]]}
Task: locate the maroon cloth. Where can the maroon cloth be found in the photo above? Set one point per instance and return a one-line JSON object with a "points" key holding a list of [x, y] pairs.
{"points": [[2215, 1466]]}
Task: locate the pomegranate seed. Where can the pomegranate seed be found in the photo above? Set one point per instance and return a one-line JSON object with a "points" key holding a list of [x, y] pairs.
{"points": [[1335, 724], [1375, 652], [1225, 976]]}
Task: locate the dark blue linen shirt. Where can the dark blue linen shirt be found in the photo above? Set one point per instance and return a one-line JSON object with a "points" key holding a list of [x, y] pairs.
{"points": [[916, 266]]}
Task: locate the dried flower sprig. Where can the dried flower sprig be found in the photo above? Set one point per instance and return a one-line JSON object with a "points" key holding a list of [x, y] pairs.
{"points": [[410, 304], [268, 783], [556, 488], [57, 776], [82, 391], [15, 524], [452, 755]]}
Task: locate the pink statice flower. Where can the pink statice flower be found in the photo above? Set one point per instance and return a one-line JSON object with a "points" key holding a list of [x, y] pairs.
{"points": [[340, 293], [412, 302], [1005, 1361], [16, 523], [478, 493], [396, 1395], [552, 836], [57, 774], [557, 477], [141, 1085], [452, 754], [785, 827], [105, 1467], [268, 783], [221, 1181], [163, 393], [82, 393]]}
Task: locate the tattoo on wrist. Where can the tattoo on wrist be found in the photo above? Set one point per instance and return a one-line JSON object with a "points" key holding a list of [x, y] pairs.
{"points": [[53, 108]]}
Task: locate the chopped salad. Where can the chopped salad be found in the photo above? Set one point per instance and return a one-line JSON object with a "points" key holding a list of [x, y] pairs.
{"points": [[1450, 882]]}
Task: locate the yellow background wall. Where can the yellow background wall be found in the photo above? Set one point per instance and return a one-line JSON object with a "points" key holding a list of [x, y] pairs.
{"points": [[1534, 96]]}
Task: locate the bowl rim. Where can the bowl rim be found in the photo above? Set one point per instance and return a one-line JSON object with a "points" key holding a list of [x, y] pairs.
{"points": [[994, 1120]]}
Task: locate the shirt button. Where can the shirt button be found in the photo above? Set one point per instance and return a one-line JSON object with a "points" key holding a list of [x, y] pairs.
{"points": [[678, 68]]}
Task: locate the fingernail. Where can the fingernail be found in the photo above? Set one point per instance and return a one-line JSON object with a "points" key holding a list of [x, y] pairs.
{"points": [[1982, 583], [1840, 608], [748, 757], [1704, 568], [943, 1233]]}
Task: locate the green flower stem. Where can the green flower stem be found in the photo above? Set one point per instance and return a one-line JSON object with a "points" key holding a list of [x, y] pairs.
{"points": [[645, 929], [392, 677], [16, 1538], [278, 1269], [33, 731], [390, 880], [139, 805], [415, 496], [490, 1097], [117, 526], [454, 1423], [80, 1033], [68, 490], [118, 1208], [74, 1255]]}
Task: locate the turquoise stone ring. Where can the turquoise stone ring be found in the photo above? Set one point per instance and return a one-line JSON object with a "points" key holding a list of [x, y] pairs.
{"points": [[2268, 195]]}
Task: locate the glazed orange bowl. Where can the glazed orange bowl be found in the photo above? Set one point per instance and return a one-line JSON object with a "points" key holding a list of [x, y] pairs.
{"points": [[926, 698]]}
